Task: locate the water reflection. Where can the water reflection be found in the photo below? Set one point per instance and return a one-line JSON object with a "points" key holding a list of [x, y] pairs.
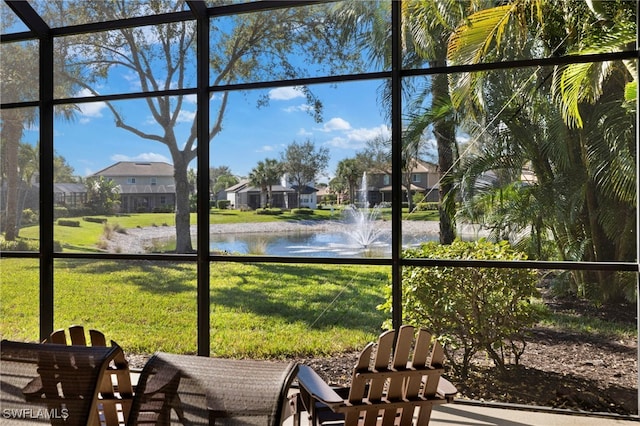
{"points": [[320, 244]]}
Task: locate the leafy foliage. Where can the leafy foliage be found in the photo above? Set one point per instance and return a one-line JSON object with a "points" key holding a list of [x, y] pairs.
{"points": [[471, 309], [303, 163], [103, 194]]}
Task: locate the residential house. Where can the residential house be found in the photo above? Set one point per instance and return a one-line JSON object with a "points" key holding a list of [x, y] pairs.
{"points": [[424, 177], [245, 196], [144, 186]]}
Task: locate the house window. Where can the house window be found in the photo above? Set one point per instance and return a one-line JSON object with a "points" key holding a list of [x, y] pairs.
{"points": [[163, 198], [386, 179], [131, 180], [416, 178], [154, 181]]}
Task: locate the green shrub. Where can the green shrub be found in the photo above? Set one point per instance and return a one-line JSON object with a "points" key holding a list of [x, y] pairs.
{"points": [[223, 204], [271, 211], [68, 222], [471, 309], [75, 211], [95, 219], [22, 244], [426, 206], [166, 208], [302, 211], [59, 211], [29, 217]]}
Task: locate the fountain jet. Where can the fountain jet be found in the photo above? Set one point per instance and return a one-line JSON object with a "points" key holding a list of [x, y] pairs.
{"points": [[362, 219]]}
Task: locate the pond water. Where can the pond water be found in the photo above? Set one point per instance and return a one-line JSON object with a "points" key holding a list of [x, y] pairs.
{"points": [[319, 244]]}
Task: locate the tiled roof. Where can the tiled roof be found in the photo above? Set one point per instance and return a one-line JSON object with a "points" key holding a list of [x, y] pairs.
{"points": [[274, 188], [305, 189], [137, 168], [69, 188], [237, 186]]}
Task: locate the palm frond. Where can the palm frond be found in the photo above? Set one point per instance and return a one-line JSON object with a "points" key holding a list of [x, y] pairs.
{"points": [[471, 40], [577, 83]]}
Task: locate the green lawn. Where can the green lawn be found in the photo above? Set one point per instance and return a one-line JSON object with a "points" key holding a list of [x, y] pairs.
{"points": [[257, 310]]}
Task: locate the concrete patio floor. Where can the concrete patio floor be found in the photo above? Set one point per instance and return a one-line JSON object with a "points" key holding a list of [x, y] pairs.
{"points": [[479, 415], [462, 414]]}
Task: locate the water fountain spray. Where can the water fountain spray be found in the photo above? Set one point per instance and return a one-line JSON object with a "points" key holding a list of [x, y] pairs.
{"points": [[362, 219]]}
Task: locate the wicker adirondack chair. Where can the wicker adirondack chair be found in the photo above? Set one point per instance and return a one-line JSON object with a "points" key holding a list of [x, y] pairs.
{"points": [[115, 391], [393, 385]]}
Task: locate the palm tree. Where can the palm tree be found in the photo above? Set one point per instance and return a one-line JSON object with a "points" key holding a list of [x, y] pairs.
{"points": [[266, 174], [350, 170], [273, 173], [427, 26], [16, 83], [591, 210]]}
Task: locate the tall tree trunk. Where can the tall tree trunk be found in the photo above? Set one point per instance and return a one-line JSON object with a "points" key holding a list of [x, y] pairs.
{"points": [[12, 128], [445, 133], [183, 215]]}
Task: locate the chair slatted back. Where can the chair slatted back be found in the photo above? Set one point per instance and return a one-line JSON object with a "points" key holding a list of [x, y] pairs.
{"points": [[397, 382], [59, 379], [115, 390]]}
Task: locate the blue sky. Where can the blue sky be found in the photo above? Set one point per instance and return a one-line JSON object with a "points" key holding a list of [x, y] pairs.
{"points": [[351, 117]]}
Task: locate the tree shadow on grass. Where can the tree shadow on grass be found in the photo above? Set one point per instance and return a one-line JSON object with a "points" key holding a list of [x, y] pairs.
{"points": [[154, 277], [321, 297], [313, 296]]}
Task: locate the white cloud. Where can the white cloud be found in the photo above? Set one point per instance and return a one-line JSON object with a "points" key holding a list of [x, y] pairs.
{"points": [[89, 110], [335, 124], [145, 156], [285, 93], [266, 148], [133, 79], [297, 108], [364, 134], [186, 116], [357, 138]]}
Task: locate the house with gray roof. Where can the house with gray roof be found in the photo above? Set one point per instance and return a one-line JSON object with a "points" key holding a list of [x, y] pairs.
{"points": [[244, 196], [144, 186]]}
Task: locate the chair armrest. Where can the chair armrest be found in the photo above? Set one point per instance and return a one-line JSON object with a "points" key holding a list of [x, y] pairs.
{"points": [[318, 388], [446, 388]]}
